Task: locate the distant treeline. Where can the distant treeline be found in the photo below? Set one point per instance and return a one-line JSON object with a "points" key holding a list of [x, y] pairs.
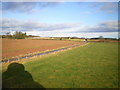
{"points": [[16, 35], [105, 38], [21, 35], [63, 38], [100, 37]]}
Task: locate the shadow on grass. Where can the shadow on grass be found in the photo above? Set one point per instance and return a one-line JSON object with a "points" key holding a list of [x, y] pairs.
{"points": [[17, 77]]}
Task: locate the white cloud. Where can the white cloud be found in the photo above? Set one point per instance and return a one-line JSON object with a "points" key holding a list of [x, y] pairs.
{"points": [[99, 0], [87, 12], [63, 34], [109, 7], [60, 0], [25, 7], [24, 25], [30, 7], [107, 28]]}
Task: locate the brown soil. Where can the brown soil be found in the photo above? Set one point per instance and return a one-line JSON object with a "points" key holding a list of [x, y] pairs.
{"points": [[11, 47]]}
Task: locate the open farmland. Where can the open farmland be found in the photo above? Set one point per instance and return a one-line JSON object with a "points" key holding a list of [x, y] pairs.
{"points": [[12, 47], [92, 66]]}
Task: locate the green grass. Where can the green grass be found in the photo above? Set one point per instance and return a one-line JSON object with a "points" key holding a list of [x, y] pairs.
{"points": [[92, 66]]}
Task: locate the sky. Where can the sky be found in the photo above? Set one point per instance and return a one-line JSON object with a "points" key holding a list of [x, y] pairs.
{"points": [[61, 19]]}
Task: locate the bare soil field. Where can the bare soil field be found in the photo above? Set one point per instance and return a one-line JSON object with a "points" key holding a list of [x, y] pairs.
{"points": [[12, 47]]}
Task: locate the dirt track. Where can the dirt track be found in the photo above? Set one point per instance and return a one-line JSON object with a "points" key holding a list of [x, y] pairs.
{"points": [[11, 48]]}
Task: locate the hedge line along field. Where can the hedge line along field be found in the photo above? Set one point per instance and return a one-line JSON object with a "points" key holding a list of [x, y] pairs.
{"points": [[91, 66], [12, 47]]}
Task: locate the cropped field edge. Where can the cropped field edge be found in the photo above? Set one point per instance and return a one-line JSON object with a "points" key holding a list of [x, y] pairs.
{"points": [[39, 53]]}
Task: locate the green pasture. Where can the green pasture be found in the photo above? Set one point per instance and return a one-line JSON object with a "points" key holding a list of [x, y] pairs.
{"points": [[92, 66]]}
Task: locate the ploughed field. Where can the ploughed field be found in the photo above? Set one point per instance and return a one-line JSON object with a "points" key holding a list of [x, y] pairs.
{"points": [[12, 47]]}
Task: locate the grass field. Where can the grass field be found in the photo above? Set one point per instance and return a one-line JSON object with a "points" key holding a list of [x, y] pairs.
{"points": [[92, 66]]}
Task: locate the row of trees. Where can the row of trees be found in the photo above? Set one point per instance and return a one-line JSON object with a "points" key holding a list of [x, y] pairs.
{"points": [[16, 35]]}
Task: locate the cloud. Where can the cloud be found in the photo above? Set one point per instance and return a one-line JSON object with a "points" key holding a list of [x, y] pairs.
{"points": [[81, 34], [99, 0], [109, 7], [61, 0], [24, 25], [25, 7], [30, 7], [104, 7], [107, 26], [9, 24], [88, 12]]}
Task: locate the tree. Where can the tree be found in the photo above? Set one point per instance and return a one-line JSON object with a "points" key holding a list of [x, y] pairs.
{"points": [[8, 35], [61, 38], [101, 37], [19, 35]]}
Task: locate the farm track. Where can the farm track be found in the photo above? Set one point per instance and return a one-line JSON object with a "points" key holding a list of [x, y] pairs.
{"points": [[40, 53]]}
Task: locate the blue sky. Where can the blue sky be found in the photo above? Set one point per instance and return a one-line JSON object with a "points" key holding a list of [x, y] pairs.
{"points": [[80, 19]]}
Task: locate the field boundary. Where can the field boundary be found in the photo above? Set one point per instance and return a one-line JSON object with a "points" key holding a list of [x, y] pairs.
{"points": [[40, 53]]}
